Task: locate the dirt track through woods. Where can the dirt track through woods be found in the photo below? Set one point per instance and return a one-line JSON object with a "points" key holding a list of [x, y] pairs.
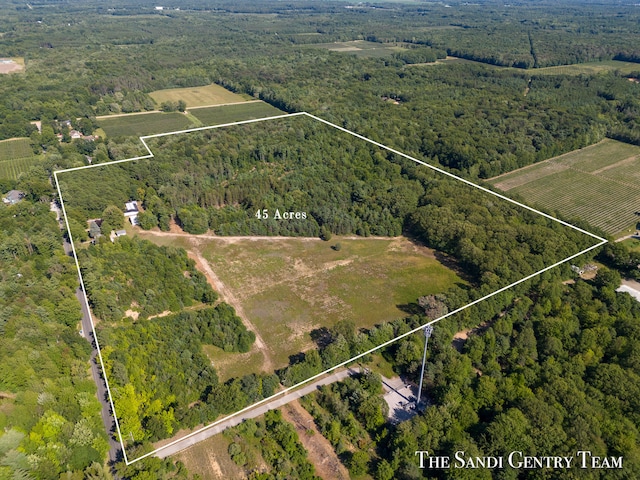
{"points": [[320, 452]]}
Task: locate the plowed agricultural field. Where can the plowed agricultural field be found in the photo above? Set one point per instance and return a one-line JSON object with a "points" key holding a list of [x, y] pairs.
{"points": [[598, 184]]}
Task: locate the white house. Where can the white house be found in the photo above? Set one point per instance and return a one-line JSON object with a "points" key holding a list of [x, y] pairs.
{"points": [[131, 211]]}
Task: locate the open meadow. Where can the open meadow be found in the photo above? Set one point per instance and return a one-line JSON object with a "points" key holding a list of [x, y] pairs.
{"points": [[598, 184], [361, 48], [207, 95], [210, 459], [590, 68], [234, 113], [136, 125], [290, 287]]}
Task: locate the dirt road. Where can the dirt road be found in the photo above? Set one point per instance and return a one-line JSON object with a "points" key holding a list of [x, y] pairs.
{"points": [[320, 452], [229, 298]]}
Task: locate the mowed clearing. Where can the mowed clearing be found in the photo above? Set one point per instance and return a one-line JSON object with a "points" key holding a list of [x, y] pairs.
{"points": [[361, 48], [208, 95], [290, 287], [598, 184]]}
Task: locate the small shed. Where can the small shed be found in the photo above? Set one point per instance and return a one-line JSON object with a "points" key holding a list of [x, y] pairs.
{"points": [[131, 211]]}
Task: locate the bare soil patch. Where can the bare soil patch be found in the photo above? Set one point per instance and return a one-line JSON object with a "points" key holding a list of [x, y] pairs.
{"points": [[320, 452], [10, 66], [621, 163]]}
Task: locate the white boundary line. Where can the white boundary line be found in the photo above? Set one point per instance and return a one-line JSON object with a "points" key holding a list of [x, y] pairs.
{"points": [[601, 241]]}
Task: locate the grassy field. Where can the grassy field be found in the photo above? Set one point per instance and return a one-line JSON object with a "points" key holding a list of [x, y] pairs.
{"points": [[234, 113], [197, 96], [144, 124], [632, 244], [590, 68], [597, 184], [361, 48], [290, 287]]}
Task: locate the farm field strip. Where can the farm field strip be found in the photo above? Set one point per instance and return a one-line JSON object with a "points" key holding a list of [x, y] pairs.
{"points": [[598, 241], [15, 148], [601, 202], [589, 68], [12, 169], [596, 183], [235, 113], [137, 125], [197, 96], [627, 173]]}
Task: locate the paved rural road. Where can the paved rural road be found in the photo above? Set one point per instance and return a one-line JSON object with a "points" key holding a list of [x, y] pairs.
{"points": [[107, 418], [278, 402], [87, 333]]}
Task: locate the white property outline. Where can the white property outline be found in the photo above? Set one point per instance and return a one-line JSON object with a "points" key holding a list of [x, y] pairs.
{"points": [[601, 241]]}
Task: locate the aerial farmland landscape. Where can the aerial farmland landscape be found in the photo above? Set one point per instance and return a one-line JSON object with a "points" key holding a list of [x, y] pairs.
{"points": [[319, 240]]}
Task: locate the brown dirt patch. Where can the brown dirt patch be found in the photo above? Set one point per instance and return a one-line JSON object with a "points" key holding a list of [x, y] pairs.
{"points": [[320, 452], [160, 315], [9, 66], [621, 163]]}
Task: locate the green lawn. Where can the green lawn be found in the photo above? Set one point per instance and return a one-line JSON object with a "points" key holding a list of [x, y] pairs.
{"points": [[632, 244], [137, 125], [234, 113]]}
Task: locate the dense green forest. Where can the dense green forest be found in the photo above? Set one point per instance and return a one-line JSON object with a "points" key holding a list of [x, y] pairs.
{"points": [[162, 380], [275, 440], [471, 117], [222, 179], [138, 276], [49, 415], [552, 372], [555, 372]]}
